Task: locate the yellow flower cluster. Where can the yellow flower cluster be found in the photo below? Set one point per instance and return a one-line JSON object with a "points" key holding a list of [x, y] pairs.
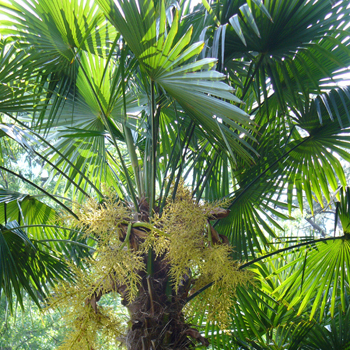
{"points": [[93, 330], [101, 219], [113, 268], [220, 268], [181, 241], [116, 266], [181, 235], [87, 327], [187, 247], [185, 223]]}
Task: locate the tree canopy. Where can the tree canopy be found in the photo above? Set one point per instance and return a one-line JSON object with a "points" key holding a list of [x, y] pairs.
{"points": [[176, 140]]}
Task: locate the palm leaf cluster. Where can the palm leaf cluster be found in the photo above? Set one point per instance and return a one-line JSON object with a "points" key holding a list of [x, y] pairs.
{"points": [[240, 100]]}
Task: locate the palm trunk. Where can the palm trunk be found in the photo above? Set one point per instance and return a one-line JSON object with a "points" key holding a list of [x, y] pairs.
{"points": [[157, 320]]}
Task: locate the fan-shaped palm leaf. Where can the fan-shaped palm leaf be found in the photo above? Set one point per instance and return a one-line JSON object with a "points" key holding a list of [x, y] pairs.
{"points": [[163, 59], [24, 265]]}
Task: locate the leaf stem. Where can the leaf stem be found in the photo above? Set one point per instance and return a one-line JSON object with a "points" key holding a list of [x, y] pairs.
{"points": [[66, 241], [199, 291], [105, 122], [288, 248], [183, 160], [59, 153], [40, 189], [127, 132], [153, 153], [127, 237]]}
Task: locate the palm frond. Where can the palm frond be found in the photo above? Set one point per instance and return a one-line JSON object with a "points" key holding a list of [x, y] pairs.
{"points": [[196, 88], [25, 266]]}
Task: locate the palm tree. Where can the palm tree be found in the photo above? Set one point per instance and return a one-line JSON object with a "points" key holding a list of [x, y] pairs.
{"points": [[137, 95]]}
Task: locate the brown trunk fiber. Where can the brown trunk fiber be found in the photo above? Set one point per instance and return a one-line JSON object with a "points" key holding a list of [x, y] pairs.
{"points": [[156, 315]]}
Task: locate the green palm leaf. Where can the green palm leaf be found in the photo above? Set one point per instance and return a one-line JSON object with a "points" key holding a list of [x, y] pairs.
{"points": [[50, 33], [197, 89], [39, 220], [56, 28], [296, 50], [24, 266], [331, 334], [321, 269], [15, 94]]}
